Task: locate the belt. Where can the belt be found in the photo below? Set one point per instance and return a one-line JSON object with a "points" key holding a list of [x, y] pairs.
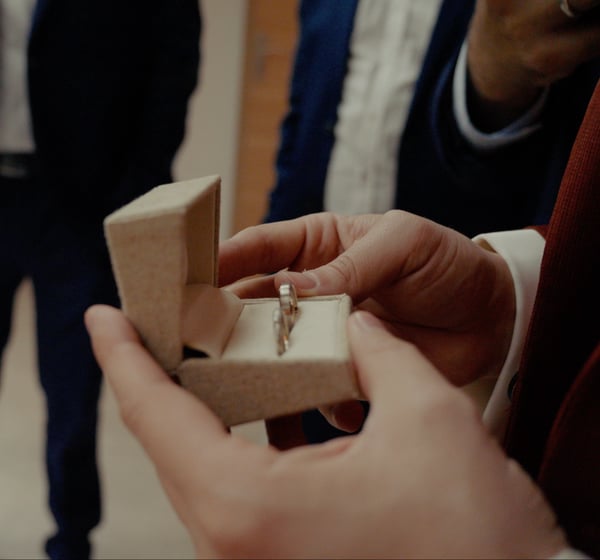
{"points": [[17, 165]]}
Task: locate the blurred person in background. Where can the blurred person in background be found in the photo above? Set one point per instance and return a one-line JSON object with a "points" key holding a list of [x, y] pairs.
{"points": [[93, 101]]}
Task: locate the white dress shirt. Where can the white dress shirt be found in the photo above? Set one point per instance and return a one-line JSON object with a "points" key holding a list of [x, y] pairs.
{"points": [[387, 47], [15, 119], [522, 250], [521, 128]]}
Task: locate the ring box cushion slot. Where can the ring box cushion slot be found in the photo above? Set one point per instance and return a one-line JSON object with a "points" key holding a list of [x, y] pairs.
{"points": [[163, 248]]}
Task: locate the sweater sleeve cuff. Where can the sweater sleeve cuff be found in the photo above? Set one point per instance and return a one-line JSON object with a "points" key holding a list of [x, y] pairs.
{"points": [[524, 126]]}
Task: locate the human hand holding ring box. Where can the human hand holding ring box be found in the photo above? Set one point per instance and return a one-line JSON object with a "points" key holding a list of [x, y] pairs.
{"points": [[163, 249]]}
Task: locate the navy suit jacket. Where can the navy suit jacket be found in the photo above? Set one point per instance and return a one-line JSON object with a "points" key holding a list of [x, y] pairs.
{"points": [[109, 83], [439, 175]]}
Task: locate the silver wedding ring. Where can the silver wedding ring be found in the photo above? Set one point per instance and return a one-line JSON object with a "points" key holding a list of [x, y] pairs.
{"points": [[281, 331], [288, 302], [285, 316], [567, 10]]}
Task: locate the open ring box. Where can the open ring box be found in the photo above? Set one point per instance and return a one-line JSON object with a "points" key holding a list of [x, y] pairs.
{"points": [[163, 248]]}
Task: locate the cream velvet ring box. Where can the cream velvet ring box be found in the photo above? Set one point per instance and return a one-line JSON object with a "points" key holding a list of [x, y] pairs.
{"points": [[163, 248]]}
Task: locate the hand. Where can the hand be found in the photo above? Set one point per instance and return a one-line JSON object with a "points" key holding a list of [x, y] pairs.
{"points": [[423, 479], [517, 48], [432, 285]]}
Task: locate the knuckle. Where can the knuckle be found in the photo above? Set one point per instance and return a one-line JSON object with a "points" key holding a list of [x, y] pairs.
{"points": [[345, 268]]}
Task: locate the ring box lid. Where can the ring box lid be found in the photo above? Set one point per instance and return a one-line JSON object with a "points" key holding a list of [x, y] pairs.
{"points": [[160, 243]]}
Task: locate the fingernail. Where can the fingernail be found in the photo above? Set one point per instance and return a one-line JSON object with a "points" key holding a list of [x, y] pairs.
{"points": [[366, 320], [348, 416], [305, 281]]}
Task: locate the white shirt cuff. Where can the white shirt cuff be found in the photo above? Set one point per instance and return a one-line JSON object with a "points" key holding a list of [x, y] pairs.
{"points": [[519, 129], [522, 250]]}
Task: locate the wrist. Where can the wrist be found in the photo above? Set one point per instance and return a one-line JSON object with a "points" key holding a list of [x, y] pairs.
{"points": [[499, 88], [497, 109]]}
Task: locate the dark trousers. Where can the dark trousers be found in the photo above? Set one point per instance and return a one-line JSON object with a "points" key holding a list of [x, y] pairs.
{"points": [[69, 273]]}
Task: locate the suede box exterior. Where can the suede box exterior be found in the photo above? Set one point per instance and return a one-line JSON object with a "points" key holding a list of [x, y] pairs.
{"points": [[163, 248]]}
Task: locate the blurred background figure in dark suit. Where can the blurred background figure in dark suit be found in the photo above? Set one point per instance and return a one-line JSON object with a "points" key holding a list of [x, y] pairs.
{"points": [[93, 101]]}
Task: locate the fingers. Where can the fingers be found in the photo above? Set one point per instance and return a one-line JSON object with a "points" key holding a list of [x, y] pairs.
{"points": [[350, 273], [301, 244], [393, 374], [285, 432], [272, 247], [358, 272], [167, 420], [254, 287], [337, 254], [579, 44], [259, 250], [374, 258], [571, 38], [117, 346], [347, 416]]}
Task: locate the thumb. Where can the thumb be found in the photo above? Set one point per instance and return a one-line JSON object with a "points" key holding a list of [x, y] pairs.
{"points": [[325, 280], [393, 374], [358, 271], [372, 259]]}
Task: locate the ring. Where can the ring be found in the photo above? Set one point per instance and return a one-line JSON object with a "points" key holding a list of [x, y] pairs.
{"points": [[281, 331], [567, 10], [288, 302]]}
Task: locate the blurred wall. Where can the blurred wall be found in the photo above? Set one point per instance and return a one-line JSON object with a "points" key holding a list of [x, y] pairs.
{"points": [[211, 142]]}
